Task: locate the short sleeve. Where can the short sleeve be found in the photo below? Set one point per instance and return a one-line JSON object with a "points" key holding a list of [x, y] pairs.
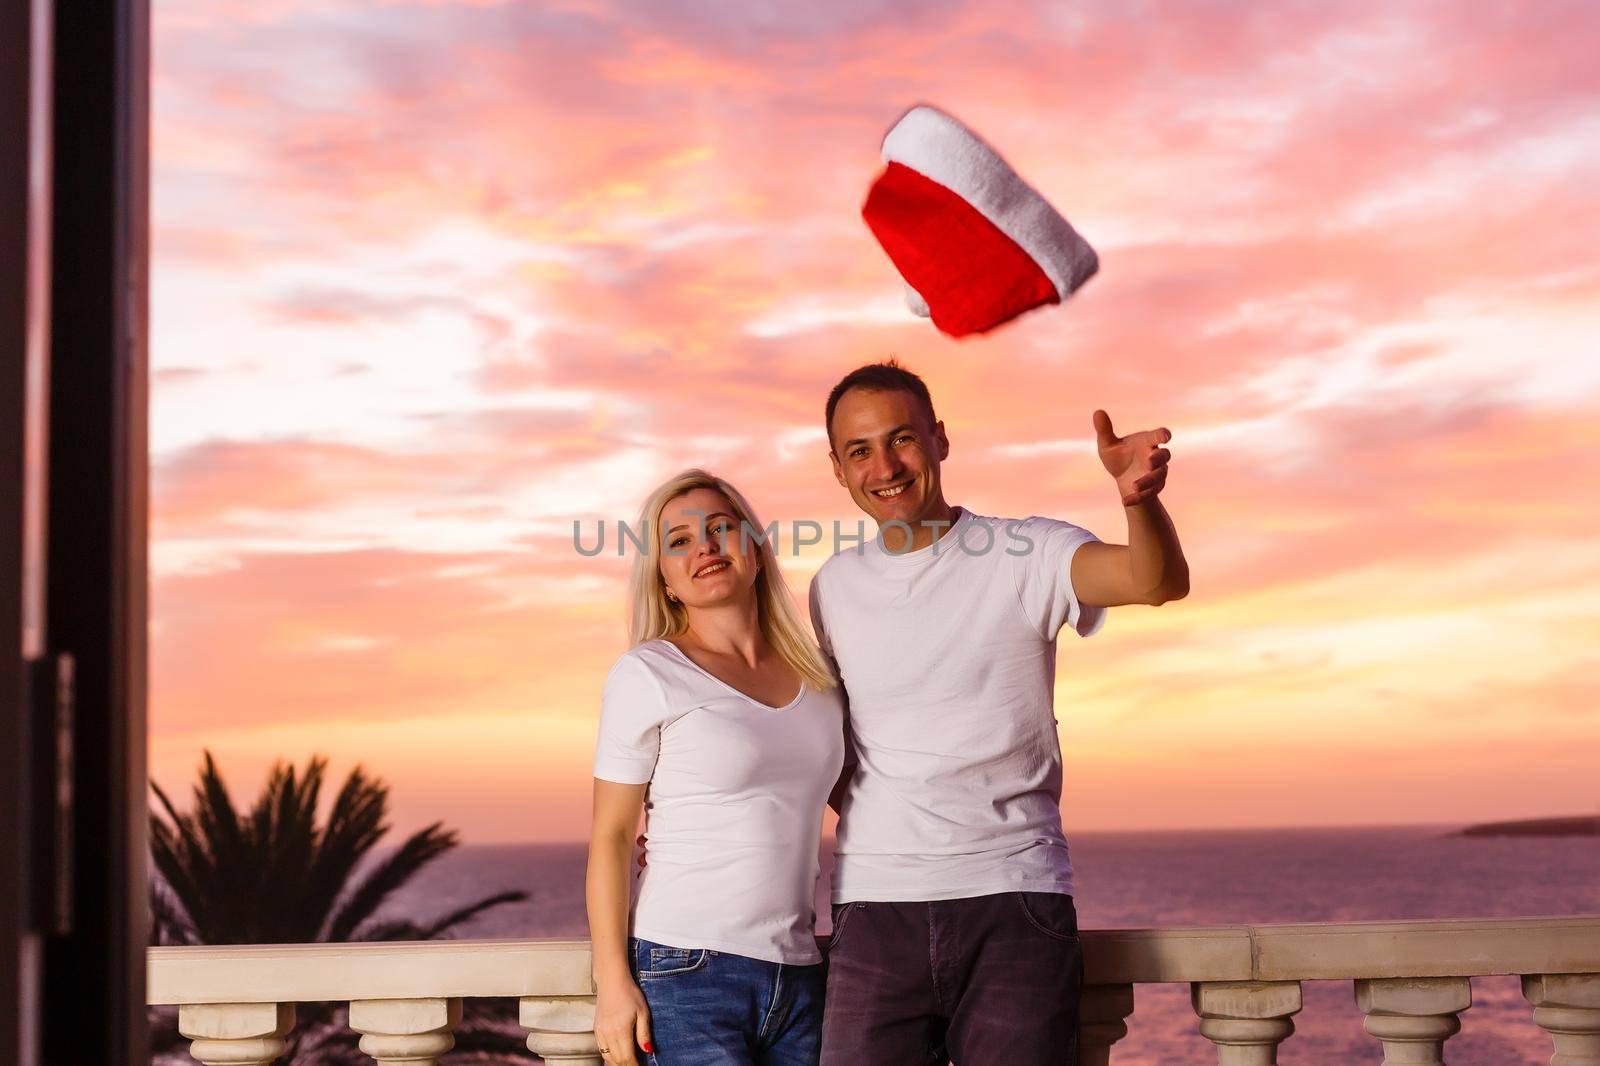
{"points": [[1041, 551], [820, 628], [632, 709]]}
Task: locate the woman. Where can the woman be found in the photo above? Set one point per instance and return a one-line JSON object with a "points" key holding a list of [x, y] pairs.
{"points": [[724, 722]]}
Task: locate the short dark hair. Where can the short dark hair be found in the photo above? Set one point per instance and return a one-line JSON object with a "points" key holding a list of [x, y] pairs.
{"points": [[888, 376]]}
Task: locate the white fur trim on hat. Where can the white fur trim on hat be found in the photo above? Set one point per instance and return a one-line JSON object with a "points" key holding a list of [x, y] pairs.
{"points": [[943, 150], [918, 305]]}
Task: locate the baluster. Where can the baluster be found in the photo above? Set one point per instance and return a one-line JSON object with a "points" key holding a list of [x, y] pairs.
{"points": [[1102, 1021], [236, 1034], [1246, 1020], [560, 1029], [414, 1032], [1413, 1016], [1567, 1006]]}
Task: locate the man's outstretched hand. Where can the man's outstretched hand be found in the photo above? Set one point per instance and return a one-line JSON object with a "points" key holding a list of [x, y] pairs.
{"points": [[1137, 461]]}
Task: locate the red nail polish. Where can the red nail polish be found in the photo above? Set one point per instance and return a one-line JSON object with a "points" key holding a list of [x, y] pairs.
{"points": [[648, 1048]]}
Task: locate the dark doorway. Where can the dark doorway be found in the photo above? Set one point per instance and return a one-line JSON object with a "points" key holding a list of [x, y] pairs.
{"points": [[73, 295]]}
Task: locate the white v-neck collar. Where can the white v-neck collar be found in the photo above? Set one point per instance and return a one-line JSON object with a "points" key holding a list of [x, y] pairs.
{"points": [[764, 706]]}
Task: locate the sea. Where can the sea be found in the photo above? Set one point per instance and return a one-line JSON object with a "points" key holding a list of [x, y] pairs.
{"points": [[1131, 880]]}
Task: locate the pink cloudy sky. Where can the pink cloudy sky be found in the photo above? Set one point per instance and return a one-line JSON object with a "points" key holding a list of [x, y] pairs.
{"points": [[433, 280]]}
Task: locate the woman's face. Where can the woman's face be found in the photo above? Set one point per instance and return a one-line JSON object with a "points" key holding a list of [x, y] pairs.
{"points": [[704, 559]]}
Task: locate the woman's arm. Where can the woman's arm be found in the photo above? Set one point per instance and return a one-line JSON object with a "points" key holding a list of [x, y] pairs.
{"points": [[621, 1015]]}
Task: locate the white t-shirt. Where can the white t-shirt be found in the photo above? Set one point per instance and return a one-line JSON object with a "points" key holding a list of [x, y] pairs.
{"points": [[737, 790], [948, 656]]}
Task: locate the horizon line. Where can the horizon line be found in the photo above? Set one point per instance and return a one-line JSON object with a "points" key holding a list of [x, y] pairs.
{"points": [[1150, 830]]}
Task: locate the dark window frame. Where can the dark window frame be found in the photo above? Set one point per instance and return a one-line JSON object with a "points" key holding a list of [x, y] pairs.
{"points": [[74, 105]]}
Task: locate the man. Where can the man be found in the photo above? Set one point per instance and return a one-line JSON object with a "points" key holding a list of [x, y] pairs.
{"points": [[955, 934]]}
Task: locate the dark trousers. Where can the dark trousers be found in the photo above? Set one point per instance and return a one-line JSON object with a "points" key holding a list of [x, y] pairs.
{"points": [[984, 981]]}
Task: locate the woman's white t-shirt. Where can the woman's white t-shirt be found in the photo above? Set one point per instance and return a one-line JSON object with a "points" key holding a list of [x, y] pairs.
{"points": [[737, 790]]}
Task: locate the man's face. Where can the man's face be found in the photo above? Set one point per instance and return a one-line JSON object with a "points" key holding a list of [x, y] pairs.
{"points": [[887, 454]]}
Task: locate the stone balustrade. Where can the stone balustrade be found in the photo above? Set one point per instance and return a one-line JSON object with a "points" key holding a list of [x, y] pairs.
{"points": [[237, 1004]]}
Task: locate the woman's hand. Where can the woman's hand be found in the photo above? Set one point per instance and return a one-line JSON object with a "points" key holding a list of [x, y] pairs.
{"points": [[621, 1017]]}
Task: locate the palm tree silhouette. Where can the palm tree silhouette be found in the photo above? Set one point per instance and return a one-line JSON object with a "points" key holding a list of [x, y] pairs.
{"points": [[275, 876]]}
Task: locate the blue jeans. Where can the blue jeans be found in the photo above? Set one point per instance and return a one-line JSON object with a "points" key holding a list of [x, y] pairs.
{"points": [[714, 1008]]}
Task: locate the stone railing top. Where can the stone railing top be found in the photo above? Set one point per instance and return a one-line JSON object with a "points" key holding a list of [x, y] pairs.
{"points": [[280, 973]]}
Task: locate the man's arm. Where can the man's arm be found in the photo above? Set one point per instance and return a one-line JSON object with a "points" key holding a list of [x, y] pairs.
{"points": [[836, 796], [1150, 568], [820, 630]]}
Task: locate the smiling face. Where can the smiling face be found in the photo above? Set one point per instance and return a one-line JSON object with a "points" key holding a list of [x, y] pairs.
{"points": [[704, 560], [886, 451]]}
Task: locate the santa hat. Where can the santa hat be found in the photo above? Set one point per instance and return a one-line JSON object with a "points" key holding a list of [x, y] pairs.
{"points": [[975, 243]]}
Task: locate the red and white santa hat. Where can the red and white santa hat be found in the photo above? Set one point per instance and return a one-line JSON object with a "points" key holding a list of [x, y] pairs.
{"points": [[976, 244]]}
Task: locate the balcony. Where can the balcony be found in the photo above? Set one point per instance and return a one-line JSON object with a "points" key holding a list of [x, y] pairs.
{"points": [[1410, 979]]}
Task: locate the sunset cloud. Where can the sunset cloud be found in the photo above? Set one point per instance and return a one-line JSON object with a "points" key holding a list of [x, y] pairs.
{"points": [[432, 281]]}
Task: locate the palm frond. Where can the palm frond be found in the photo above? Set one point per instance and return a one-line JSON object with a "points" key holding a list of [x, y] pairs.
{"points": [[180, 856], [286, 819], [169, 924], [421, 848], [230, 908], [276, 876], [390, 930], [354, 827], [467, 913]]}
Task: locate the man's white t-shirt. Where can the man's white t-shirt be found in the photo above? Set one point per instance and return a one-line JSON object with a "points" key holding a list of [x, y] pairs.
{"points": [[737, 790], [948, 657]]}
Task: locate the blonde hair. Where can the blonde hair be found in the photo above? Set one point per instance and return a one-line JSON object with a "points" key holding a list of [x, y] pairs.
{"points": [[651, 616]]}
